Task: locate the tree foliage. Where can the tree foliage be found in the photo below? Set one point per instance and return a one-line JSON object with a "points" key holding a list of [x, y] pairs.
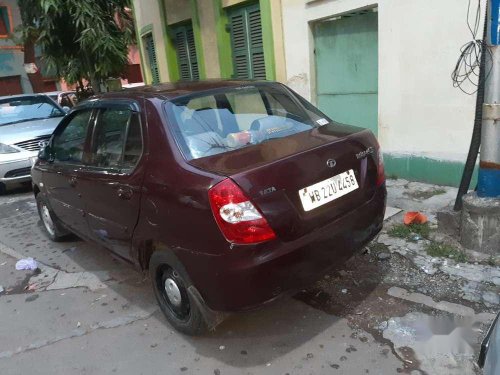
{"points": [[80, 39]]}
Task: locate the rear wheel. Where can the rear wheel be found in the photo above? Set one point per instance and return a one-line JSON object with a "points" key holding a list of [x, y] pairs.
{"points": [[171, 291], [53, 229], [3, 188]]}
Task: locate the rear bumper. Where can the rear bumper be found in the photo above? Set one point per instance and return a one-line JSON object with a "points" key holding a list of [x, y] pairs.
{"points": [[251, 276]]}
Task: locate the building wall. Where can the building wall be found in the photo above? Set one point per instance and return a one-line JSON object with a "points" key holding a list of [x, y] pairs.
{"points": [[148, 18], [424, 124], [11, 55], [212, 39], [178, 11]]}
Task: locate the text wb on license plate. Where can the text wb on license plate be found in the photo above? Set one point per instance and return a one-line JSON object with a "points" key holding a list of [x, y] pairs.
{"points": [[328, 190]]}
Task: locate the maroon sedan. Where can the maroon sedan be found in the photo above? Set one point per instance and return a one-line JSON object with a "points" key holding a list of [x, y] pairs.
{"points": [[230, 193]]}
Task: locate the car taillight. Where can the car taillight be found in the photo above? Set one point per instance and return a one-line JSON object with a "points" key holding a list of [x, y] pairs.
{"points": [[380, 167], [238, 219]]}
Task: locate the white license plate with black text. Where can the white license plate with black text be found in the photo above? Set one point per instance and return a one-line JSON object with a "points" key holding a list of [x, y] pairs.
{"points": [[328, 190]]}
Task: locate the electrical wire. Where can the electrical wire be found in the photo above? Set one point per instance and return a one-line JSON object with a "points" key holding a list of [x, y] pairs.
{"points": [[475, 142], [466, 73]]}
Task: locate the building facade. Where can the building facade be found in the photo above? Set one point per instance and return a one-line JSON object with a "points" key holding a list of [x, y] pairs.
{"points": [[382, 65], [202, 39], [13, 76]]}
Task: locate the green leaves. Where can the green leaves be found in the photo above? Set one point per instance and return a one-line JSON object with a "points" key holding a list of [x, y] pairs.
{"points": [[80, 39]]}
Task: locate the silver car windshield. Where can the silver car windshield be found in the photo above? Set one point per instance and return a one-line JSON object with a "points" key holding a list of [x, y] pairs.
{"points": [[21, 109]]}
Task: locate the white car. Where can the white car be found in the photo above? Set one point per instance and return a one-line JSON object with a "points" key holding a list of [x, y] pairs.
{"points": [[26, 125]]}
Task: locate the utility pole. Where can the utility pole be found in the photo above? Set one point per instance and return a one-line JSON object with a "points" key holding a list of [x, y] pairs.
{"points": [[480, 216], [489, 167]]}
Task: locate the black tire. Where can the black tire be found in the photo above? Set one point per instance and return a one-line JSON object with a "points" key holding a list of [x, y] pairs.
{"points": [[187, 317], [56, 232], [3, 188]]}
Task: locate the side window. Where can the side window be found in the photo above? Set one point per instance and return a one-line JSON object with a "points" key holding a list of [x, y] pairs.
{"points": [[117, 141], [133, 145], [68, 145]]}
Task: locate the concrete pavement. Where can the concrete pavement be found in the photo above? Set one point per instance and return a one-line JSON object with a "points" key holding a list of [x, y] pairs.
{"points": [[88, 313]]}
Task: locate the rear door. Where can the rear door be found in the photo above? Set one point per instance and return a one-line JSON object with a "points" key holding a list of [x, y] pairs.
{"points": [[112, 181], [61, 176]]}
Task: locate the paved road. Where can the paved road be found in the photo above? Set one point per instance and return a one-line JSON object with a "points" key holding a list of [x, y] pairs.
{"points": [[88, 313]]}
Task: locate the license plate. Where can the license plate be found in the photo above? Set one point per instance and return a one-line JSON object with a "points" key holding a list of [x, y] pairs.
{"points": [[328, 190]]}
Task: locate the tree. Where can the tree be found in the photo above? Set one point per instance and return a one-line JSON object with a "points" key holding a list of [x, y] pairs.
{"points": [[80, 40], [29, 38]]}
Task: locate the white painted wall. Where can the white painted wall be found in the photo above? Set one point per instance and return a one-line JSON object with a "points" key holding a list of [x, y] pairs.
{"points": [[419, 43]]}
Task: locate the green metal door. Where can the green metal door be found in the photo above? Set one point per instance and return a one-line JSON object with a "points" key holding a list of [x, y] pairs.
{"points": [[346, 52]]}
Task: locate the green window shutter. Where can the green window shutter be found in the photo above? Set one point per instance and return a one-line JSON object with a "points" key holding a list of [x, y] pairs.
{"points": [[246, 43], [153, 62], [186, 53]]}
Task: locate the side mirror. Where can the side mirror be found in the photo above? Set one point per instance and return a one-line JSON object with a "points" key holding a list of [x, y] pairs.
{"points": [[66, 109], [45, 154]]}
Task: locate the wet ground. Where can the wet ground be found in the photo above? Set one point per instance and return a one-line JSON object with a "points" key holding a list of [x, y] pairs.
{"points": [[391, 309]]}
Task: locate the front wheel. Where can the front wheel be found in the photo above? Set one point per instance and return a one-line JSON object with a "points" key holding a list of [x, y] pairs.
{"points": [[171, 291], [50, 223]]}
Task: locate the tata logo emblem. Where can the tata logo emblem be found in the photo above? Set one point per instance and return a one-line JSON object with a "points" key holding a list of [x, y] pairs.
{"points": [[43, 144], [331, 163]]}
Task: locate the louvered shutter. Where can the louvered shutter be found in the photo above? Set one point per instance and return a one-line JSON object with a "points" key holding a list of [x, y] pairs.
{"points": [[153, 63], [246, 43], [186, 53]]}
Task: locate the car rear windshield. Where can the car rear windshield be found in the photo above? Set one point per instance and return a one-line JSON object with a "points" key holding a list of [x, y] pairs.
{"points": [[224, 120]]}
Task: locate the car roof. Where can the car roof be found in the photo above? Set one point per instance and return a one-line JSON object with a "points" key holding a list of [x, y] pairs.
{"points": [[171, 90]]}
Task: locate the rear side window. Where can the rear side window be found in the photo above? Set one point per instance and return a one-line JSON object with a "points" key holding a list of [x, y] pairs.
{"points": [[229, 119], [117, 140], [68, 145]]}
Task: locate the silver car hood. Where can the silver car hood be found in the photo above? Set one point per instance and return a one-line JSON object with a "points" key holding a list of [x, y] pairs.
{"points": [[24, 131]]}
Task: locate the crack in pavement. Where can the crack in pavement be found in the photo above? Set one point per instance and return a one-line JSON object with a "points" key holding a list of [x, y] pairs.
{"points": [[79, 332]]}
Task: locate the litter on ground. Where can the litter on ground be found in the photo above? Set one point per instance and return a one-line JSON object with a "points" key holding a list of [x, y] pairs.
{"points": [[26, 264], [413, 217]]}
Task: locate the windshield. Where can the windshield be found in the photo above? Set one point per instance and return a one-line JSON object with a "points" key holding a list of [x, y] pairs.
{"points": [[15, 110], [230, 119]]}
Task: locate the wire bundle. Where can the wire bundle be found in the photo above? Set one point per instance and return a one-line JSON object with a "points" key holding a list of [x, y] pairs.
{"points": [[466, 72]]}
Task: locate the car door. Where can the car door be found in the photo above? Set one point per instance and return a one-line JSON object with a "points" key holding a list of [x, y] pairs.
{"points": [[68, 149], [112, 181]]}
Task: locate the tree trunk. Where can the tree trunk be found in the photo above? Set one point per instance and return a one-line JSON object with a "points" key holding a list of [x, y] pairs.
{"points": [[36, 79], [96, 84]]}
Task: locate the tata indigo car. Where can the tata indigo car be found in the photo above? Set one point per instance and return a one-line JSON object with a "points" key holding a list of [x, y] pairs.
{"points": [[230, 193]]}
